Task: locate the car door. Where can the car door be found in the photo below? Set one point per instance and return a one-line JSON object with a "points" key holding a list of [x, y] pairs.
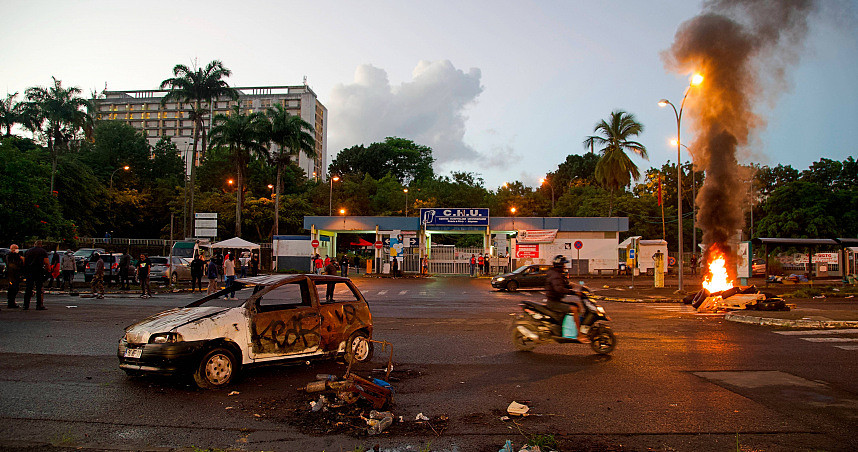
{"points": [[529, 277], [285, 322], [342, 311]]}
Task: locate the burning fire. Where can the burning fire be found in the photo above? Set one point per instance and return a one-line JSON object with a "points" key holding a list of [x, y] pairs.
{"points": [[716, 280]]}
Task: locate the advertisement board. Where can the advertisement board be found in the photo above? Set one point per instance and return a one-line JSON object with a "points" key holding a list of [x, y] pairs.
{"points": [[455, 217], [524, 251]]}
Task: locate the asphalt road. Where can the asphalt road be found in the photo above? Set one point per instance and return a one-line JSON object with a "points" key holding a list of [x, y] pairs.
{"points": [[677, 381]]}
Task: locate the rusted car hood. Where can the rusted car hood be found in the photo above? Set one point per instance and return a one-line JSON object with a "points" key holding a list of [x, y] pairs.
{"points": [[167, 320]]}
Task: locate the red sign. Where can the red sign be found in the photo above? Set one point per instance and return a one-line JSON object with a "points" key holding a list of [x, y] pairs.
{"points": [[526, 251], [578, 245], [671, 261], [315, 243], [378, 244]]}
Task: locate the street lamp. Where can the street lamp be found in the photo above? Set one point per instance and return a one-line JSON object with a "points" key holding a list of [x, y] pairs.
{"points": [[544, 181], [331, 196], [126, 168], [405, 190], [343, 213], [695, 80], [693, 197], [271, 187]]}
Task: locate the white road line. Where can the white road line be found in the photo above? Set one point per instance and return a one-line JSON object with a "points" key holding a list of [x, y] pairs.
{"points": [[847, 347], [422, 292], [403, 292], [382, 292], [812, 332], [830, 339]]}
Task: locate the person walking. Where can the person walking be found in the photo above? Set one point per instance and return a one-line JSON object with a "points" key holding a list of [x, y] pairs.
{"points": [[143, 267], [197, 267], [98, 276], [330, 269], [54, 270], [35, 265], [244, 260], [125, 271], [211, 274], [14, 270], [254, 265], [320, 265], [67, 266], [481, 264], [473, 264], [488, 264], [229, 275], [344, 266], [424, 266]]}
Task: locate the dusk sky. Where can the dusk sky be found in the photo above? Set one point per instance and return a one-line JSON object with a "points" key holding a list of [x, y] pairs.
{"points": [[504, 89]]}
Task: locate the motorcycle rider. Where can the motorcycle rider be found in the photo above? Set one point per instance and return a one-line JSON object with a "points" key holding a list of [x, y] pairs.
{"points": [[556, 288]]}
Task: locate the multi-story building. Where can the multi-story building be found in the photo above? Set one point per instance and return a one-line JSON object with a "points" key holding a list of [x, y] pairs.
{"points": [[144, 111]]}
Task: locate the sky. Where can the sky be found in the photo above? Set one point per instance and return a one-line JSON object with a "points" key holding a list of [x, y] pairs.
{"points": [[503, 89]]}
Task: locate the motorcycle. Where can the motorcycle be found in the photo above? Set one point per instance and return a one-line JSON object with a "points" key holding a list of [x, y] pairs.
{"points": [[535, 325]]}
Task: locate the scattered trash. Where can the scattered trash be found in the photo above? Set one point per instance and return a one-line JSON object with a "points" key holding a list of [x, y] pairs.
{"points": [[257, 415], [530, 449], [229, 408], [421, 417], [316, 406], [517, 409], [326, 377], [507, 447], [378, 421], [315, 386], [819, 296], [233, 393], [504, 418]]}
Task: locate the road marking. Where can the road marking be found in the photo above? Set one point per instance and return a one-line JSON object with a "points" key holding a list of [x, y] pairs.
{"points": [[830, 339], [811, 332], [847, 347], [422, 292], [403, 292], [382, 292]]}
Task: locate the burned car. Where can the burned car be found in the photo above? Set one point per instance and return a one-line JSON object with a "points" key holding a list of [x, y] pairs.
{"points": [[271, 319]]}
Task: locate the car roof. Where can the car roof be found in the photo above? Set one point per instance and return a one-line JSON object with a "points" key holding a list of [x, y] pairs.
{"points": [[267, 280]]}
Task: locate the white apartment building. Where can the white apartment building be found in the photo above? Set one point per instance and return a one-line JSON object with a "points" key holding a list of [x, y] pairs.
{"points": [[143, 110]]}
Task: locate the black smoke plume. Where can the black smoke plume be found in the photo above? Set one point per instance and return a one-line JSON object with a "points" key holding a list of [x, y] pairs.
{"points": [[743, 49]]}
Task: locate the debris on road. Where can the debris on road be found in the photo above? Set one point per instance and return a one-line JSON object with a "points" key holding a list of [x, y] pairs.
{"points": [[233, 393], [747, 297], [421, 417], [517, 409]]}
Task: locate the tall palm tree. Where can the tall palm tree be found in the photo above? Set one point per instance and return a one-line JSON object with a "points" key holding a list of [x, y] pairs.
{"points": [[197, 86], [9, 112], [64, 113], [293, 136], [615, 170], [243, 134]]}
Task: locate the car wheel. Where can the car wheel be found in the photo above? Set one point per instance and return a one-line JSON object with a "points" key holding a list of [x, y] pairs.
{"points": [[358, 348], [217, 369], [174, 278], [512, 286]]}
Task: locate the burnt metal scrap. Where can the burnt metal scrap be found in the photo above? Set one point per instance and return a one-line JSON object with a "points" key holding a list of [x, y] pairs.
{"points": [[747, 297]]}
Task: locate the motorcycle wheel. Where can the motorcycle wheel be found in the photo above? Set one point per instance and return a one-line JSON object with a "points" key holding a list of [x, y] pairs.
{"points": [[603, 341], [521, 342]]}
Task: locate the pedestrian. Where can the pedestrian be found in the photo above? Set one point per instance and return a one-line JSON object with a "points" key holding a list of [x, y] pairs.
{"points": [[473, 264], [67, 267], [254, 265], [125, 271], [330, 269], [211, 274], [245, 263], [143, 267], [54, 270], [424, 266], [98, 276], [481, 264], [35, 265], [229, 275], [344, 265], [356, 263], [219, 263], [488, 264], [14, 270], [394, 266], [327, 260], [693, 264], [197, 267], [320, 265]]}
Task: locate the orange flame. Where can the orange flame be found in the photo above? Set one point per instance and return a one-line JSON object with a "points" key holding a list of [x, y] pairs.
{"points": [[716, 280]]}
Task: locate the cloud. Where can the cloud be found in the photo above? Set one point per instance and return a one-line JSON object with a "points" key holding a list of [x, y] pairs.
{"points": [[428, 109]]}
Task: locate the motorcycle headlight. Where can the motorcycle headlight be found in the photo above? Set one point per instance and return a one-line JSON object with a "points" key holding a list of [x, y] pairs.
{"points": [[163, 338]]}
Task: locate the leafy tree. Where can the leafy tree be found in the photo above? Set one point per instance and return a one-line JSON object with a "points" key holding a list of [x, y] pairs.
{"points": [[64, 113], [115, 145], [166, 162], [9, 114], [243, 134], [293, 136], [406, 160], [615, 170], [767, 180], [196, 86], [800, 209]]}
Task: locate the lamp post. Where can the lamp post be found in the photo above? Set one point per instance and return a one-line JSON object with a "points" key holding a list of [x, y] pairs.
{"points": [[405, 190], [693, 199], [331, 196], [544, 181], [126, 168], [695, 80]]}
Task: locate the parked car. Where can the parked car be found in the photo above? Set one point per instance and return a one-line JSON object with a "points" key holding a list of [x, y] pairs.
{"points": [[81, 256], [524, 277], [111, 267], [273, 319], [179, 269], [758, 267], [160, 269]]}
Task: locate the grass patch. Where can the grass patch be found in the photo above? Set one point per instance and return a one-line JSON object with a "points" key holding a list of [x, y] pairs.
{"points": [[545, 442]]}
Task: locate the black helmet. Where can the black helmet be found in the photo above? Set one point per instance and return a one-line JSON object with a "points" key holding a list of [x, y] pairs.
{"points": [[559, 261]]}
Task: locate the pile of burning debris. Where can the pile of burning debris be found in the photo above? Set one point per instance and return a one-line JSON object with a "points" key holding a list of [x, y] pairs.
{"points": [[748, 297]]}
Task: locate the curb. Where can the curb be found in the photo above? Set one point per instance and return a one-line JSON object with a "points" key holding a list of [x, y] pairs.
{"points": [[801, 323], [634, 300]]}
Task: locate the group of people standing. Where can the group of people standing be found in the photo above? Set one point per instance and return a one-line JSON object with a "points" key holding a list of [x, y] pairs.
{"points": [[330, 266], [31, 267], [480, 264]]}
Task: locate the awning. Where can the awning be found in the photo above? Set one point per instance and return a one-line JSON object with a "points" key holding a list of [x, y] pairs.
{"points": [[236, 243], [361, 242]]}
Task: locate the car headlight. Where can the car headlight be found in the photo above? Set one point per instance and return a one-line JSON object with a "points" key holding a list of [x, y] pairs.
{"points": [[499, 279], [163, 338]]}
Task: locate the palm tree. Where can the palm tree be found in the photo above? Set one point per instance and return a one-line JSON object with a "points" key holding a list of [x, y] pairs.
{"points": [[63, 112], [9, 112], [196, 86], [243, 134], [615, 170], [292, 135]]}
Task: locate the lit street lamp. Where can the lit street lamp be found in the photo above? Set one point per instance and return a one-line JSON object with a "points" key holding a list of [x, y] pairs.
{"points": [[271, 187], [331, 196], [405, 190], [544, 181], [126, 168], [695, 80]]}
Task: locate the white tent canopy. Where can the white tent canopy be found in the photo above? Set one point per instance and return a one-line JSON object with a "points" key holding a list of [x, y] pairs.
{"points": [[236, 243]]}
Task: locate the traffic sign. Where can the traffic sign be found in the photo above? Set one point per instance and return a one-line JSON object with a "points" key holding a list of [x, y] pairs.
{"points": [[315, 243], [671, 261], [578, 245], [631, 253], [378, 244]]}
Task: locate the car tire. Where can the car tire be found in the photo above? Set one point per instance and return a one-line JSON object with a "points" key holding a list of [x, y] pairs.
{"points": [[217, 368], [512, 286], [358, 348]]}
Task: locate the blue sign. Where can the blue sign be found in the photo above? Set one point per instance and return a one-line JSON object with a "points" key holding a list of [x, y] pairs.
{"points": [[454, 217], [631, 253], [578, 245]]}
